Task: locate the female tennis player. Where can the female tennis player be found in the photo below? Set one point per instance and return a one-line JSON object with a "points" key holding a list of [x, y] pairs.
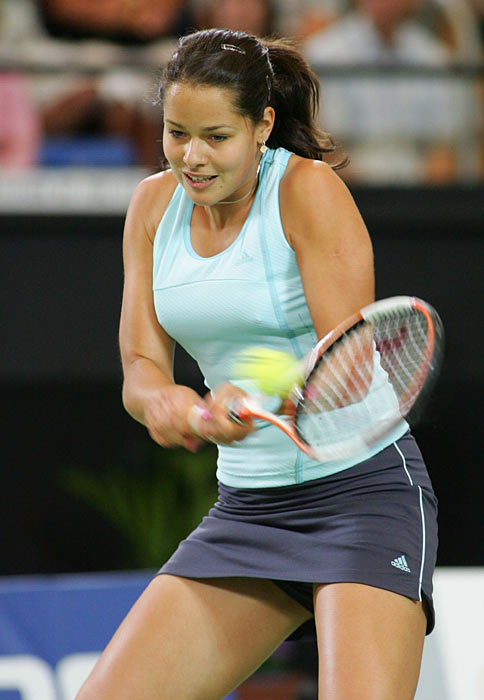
{"points": [[250, 238]]}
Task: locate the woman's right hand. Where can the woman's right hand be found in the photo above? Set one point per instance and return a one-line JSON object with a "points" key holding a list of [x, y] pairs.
{"points": [[167, 416]]}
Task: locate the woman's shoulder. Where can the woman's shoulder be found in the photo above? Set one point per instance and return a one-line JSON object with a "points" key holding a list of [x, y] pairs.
{"points": [[313, 197], [307, 171], [311, 185], [151, 198]]}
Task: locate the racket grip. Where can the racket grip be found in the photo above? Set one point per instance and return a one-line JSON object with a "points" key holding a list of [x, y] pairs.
{"points": [[238, 412]]}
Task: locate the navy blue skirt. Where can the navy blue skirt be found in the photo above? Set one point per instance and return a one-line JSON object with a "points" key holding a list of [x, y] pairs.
{"points": [[374, 523]]}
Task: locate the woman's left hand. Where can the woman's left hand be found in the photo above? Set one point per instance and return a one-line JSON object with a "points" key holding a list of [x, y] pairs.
{"points": [[220, 428]]}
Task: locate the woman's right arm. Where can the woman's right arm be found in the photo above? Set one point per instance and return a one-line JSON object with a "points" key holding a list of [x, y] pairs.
{"points": [[150, 394]]}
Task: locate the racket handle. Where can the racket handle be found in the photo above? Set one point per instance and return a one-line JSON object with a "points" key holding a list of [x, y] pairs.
{"points": [[238, 412]]}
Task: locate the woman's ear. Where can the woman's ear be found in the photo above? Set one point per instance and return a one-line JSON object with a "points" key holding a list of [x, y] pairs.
{"points": [[266, 124]]}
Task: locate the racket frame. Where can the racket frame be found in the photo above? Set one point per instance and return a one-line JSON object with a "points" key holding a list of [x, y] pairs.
{"points": [[250, 407]]}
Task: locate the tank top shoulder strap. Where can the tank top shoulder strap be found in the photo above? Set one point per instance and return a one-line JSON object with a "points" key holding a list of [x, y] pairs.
{"points": [[167, 237], [272, 171], [273, 167]]}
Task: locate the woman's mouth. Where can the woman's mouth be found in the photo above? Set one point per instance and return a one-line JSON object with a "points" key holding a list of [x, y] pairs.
{"points": [[199, 182]]}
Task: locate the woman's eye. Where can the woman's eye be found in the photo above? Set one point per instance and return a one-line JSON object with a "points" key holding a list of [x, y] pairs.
{"points": [[176, 134], [218, 137]]}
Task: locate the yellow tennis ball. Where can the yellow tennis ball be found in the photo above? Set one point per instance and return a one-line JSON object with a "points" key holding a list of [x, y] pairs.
{"points": [[272, 371]]}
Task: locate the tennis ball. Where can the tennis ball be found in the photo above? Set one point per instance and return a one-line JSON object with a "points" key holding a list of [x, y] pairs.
{"points": [[272, 371]]}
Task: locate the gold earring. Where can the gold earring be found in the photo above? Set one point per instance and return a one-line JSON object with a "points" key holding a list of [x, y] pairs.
{"points": [[263, 147]]}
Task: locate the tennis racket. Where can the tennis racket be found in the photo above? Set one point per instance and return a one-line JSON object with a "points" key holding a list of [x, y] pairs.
{"points": [[363, 379]]}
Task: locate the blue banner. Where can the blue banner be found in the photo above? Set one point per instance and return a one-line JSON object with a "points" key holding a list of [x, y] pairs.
{"points": [[53, 628]]}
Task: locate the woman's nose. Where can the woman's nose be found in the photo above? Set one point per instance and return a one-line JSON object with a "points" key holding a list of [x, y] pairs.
{"points": [[194, 153]]}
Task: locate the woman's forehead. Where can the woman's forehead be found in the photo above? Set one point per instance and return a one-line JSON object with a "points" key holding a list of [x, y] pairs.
{"points": [[219, 97], [204, 104]]}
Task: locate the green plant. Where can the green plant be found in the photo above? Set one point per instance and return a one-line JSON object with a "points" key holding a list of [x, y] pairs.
{"points": [[153, 499]]}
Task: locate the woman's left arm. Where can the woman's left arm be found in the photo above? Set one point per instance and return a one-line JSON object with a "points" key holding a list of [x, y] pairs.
{"points": [[334, 253]]}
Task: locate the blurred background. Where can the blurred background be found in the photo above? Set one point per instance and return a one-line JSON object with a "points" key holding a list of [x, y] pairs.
{"points": [[83, 489]]}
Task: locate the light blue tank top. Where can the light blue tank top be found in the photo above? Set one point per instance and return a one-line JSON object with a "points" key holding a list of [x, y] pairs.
{"points": [[249, 294]]}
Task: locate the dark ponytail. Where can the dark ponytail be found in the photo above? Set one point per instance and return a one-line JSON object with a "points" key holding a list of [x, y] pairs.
{"points": [[260, 73], [295, 98]]}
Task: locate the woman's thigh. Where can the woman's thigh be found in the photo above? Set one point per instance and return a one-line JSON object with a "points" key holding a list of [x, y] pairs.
{"points": [[187, 639], [370, 642]]}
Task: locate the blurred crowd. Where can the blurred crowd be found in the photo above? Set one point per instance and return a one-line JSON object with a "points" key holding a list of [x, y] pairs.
{"points": [[402, 85]]}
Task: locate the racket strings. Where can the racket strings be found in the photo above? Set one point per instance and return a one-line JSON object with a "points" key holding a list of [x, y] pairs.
{"points": [[402, 345], [365, 383], [343, 375]]}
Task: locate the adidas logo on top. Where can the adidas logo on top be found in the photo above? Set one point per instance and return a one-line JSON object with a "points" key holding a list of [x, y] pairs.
{"points": [[401, 563]]}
